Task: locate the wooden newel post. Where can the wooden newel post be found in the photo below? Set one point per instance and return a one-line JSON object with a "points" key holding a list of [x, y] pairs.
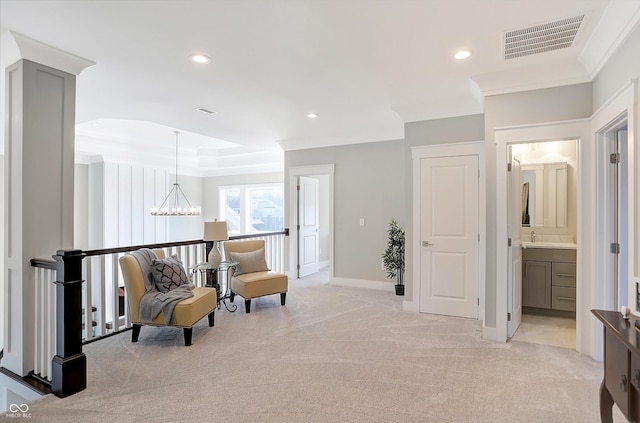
{"points": [[69, 374]]}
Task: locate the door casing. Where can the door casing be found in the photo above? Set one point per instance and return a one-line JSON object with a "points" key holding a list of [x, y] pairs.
{"points": [[588, 292], [292, 246], [476, 148]]}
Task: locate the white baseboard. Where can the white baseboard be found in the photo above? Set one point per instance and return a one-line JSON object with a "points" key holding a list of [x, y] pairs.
{"points": [[323, 264], [361, 283], [15, 392], [492, 334]]}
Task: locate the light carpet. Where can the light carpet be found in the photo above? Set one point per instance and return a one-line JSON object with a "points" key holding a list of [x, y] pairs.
{"points": [[332, 354]]}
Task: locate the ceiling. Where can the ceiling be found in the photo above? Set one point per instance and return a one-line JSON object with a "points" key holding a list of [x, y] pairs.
{"points": [[365, 67]]}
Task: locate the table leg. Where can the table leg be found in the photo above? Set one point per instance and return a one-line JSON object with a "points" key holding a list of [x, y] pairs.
{"points": [[606, 404]]}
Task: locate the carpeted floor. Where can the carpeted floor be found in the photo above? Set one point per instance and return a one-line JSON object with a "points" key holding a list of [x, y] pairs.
{"points": [[332, 354]]}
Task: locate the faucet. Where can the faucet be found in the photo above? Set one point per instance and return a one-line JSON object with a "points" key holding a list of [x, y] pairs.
{"points": [[533, 236]]}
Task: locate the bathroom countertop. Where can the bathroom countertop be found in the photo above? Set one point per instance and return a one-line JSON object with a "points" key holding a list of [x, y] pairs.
{"points": [[544, 244]]}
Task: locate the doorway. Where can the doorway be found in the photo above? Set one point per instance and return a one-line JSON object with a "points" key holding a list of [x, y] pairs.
{"points": [[431, 250], [613, 242], [310, 220], [308, 226], [449, 242], [542, 229]]}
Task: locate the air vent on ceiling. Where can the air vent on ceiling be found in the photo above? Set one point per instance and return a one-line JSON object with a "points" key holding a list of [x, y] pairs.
{"points": [[207, 111], [541, 38]]}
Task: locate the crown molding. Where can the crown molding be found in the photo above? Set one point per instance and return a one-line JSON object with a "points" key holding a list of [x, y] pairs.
{"points": [[16, 46]]}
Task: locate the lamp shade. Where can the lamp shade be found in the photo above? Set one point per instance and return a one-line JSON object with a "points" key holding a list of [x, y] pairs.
{"points": [[215, 231]]}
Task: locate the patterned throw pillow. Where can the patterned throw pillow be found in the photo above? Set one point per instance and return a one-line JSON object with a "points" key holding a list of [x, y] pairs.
{"points": [[253, 261], [168, 273]]}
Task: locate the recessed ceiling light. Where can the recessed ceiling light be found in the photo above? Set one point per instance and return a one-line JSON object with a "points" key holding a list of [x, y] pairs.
{"points": [[95, 124], [312, 115], [462, 54], [200, 58]]}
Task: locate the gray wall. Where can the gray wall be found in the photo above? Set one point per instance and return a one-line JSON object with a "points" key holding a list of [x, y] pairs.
{"points": [[374, 181], [537, 106], [369, 183]]}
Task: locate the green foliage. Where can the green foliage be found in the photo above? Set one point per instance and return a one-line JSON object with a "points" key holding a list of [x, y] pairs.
{"points": [[393, 257]]}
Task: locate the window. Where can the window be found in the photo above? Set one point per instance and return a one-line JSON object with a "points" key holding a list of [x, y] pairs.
{"points": [[252, 208]]}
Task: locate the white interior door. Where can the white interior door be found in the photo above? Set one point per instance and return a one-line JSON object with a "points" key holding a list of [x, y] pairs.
{"points": [[514, 222], [308, 239], [449, 244]]}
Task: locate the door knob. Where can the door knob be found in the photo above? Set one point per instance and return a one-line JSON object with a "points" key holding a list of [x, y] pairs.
{"points": [[426, 244]]}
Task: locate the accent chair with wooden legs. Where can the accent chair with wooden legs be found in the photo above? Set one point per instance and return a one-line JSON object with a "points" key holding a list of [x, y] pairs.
{"points": [[186, 313], [252, 278]]}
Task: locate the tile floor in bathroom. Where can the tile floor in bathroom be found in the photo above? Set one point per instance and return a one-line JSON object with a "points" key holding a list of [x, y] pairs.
{"points": [[547, 330]]}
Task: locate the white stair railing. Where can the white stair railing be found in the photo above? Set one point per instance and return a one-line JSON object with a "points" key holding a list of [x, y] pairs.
{"points": [[104, 299]]}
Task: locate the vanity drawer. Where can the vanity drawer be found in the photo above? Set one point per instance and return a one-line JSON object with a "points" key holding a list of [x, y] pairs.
{"points": [[563, 298], [549, 254], [563, 274]]}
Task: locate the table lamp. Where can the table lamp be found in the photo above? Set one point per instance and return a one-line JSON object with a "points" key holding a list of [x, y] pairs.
{"points": [[215, 231]]}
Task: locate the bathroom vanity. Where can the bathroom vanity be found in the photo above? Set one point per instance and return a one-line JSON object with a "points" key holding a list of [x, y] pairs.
{"points": [[549, 275]]}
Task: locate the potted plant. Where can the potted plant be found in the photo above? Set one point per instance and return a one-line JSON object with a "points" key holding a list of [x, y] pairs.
{"points": [[393, 257]]}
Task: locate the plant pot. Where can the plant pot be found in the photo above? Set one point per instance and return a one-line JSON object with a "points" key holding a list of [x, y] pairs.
{"points": [[399, 289]]}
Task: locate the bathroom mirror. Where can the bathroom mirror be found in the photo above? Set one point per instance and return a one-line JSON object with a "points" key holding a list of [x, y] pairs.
{"points": [[544, 194]]}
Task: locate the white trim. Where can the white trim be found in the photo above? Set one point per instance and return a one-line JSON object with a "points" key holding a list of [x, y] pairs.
{"points": [[450, 149], [362, 283], [245, 206], [474, 148], [492, 334], [17, 392], [622, 103], [294, 173], [604, 289], [16, 46], [607, 36], [564, 130]]}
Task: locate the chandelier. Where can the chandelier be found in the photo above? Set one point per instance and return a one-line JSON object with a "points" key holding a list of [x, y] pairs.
{"points": [[176, 202]]}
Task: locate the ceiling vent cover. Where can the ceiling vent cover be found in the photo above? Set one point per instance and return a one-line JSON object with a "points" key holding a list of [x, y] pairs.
{"points": [[205, 110], [541, 38]]}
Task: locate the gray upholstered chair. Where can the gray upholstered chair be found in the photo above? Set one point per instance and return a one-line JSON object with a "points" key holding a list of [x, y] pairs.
{"points": [[186, 313], [252, 278]]}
